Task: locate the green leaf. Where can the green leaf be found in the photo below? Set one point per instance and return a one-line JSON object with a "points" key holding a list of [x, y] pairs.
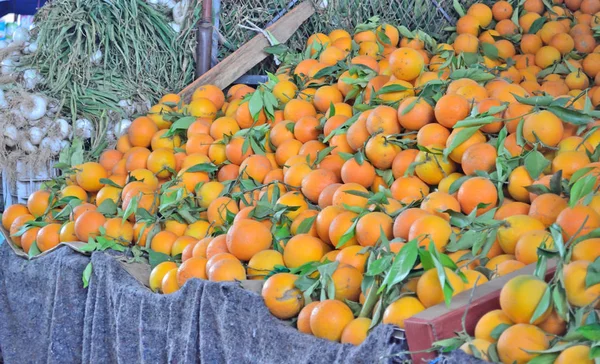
{"points": [[535, 163], [182, 124], [426, 259], [498, 330], [391, 88], [555, 183], [349, 234], [107, 208], [87, 274], [441, 272], [590, 332], [460, 138], [592, 277], [579, 173], [543, 305], [109, 182], [537, 25], [570, 116], [474, 74], [581, 188], [203, 167], [33, 250], [155, 258], [548, 358], [306, 225], [255, 104], [379, 266], [559, 300], [131, 208], [403, 263], [535, 100], [458, 7], [489, 50], [456, 184]]}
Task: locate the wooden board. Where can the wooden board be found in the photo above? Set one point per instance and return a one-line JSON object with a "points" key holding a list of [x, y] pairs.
{"points": [[440, 322], [251, 53]]}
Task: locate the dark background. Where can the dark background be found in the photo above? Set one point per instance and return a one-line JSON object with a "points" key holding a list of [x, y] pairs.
{"points": [[20, 7]]}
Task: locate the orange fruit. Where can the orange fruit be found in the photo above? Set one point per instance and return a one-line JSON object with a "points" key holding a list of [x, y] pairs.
{"points": [[520, 297], [429, 289], [11, 213], [488, 322], [158, 273], [574, 279], [88, 225], [246, 238], [329, 319], [281, 296], [356, 331], [191, 268], [516, 342], [401, 309]]}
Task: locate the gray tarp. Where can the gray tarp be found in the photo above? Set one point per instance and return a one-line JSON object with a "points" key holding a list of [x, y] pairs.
{"points": [[46, 316]]}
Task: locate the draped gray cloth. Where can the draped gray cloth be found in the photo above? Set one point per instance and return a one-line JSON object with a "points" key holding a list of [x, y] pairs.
{"points": [[47, 316]]}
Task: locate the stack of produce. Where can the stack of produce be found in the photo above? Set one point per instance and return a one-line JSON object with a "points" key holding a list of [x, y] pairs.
{"points": [[55, 84], [375, 175]]}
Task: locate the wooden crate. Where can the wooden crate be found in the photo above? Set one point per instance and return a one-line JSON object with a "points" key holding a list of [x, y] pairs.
{"points": [[440, 322]]}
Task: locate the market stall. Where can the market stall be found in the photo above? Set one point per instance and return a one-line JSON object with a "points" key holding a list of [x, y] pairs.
{"points": [[409, 184]]}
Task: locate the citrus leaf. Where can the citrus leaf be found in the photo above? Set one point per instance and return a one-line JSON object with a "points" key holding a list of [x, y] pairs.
{"points": [[537, 25], [87, 274], [535, 163], [570, 116], [403, 263], [498, 330], [592, 277], [306, 225], [590, 332], [543, 305], [460, 138]]}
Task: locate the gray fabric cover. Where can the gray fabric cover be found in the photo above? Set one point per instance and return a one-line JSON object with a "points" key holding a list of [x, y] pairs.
{"points": [[457, 357], [46, 316]]}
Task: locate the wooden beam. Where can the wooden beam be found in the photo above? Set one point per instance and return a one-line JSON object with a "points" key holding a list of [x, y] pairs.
{"points": [[251, 53]]}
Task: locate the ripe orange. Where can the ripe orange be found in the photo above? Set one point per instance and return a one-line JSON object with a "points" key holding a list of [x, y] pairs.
{"points": [[88, 225], [429, 289], [329, 319], [520, 297], [401, 309], [281, 296], [516, 342], [247, 237]]}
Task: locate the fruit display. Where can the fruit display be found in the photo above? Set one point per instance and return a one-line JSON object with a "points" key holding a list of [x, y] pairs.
{"points": [[377, 173]]}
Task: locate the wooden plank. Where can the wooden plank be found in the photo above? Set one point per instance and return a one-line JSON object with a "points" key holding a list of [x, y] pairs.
{"points": [[440, 322], [251, 53]]}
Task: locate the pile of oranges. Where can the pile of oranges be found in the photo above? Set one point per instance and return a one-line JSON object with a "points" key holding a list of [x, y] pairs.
{"points": [[374, 175]]}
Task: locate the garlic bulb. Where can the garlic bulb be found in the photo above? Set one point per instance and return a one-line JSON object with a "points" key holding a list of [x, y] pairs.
{"points": [[36, 135], [51, 144], [8, 66], [20, 36], [84, 128], [64, 128], [96, 58], [179, 11], [28, 147], [33, 107], [31, 78], [122, 127], [11, 135], [3, 102], [176, 27]]}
